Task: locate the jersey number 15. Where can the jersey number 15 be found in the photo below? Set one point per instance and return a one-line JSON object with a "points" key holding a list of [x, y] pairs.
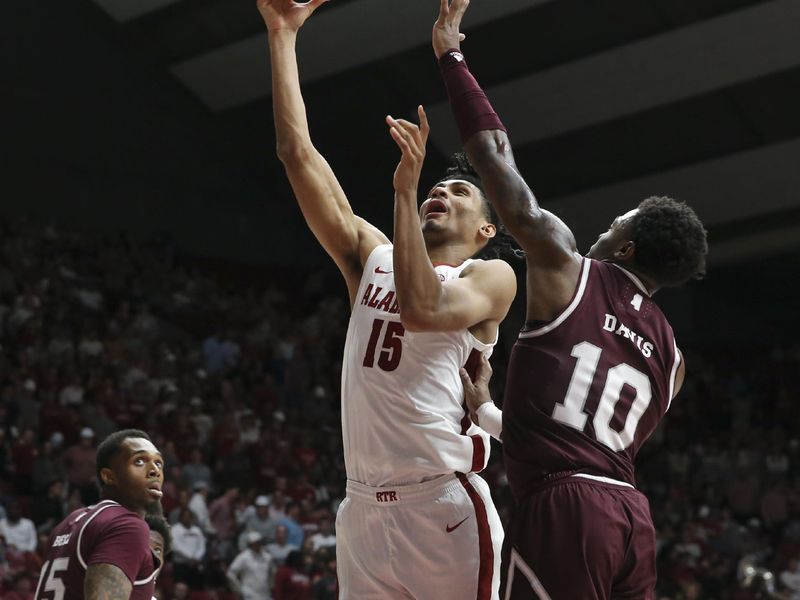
{"points": [[391, 348]]}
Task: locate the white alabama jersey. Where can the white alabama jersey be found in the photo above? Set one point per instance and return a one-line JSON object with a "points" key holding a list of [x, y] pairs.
{"points": [[403, 414]]}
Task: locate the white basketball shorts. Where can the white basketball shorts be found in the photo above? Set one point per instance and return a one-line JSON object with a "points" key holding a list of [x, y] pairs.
{"points": [[438, 540]]}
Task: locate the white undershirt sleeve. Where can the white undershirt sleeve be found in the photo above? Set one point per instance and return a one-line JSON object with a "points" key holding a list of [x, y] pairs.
{"points": [[490, 419]]}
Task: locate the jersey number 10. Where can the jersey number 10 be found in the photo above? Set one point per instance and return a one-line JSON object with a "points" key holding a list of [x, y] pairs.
{"points": [[391, 348], [570, 412]]}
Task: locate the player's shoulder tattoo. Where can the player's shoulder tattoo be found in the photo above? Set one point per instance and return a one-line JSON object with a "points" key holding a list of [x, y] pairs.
{"points": [[106, 582]]}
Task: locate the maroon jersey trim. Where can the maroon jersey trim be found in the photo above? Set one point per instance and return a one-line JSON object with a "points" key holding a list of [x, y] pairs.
{"points": [[636, 281], [485, 549], [89, 520], [567, 311]]}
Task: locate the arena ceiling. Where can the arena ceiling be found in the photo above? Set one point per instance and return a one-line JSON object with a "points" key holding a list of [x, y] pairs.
{"points": [[606, 101]]}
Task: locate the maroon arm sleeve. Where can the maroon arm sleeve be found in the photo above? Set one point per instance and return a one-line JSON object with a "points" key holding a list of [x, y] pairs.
{"points": [[471, 107], [123, 541]]}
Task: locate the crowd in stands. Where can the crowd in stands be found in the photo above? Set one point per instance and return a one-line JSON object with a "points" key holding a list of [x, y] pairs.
{"points": [[238, 386]]}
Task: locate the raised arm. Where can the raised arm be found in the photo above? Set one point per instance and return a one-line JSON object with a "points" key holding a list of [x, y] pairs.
{"points": [[485, 290], [345, 237], [553, 260]]}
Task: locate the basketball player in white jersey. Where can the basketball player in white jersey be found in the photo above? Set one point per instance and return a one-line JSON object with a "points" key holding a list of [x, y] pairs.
{"points": [[417, 522]]}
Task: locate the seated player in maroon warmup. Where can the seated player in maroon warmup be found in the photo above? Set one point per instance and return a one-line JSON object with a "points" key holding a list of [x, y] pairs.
{"points": [[103, 552], [592, 374]]}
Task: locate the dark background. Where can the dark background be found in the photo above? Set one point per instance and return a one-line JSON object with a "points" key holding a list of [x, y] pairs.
{"points": [[161, 122]]}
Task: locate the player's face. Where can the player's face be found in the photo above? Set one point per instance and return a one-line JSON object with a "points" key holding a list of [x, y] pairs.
{"points": [[157, 545], [138, 472], [453, 208], [611, 241]]}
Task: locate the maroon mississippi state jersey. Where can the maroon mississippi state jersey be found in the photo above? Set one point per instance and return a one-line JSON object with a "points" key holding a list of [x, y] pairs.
{"points": [[586, 390], [104, 533]]}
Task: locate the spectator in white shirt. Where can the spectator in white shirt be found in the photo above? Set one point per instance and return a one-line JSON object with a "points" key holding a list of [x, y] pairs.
{"points": [[188, 550], [17, 530], [324, 538], [251, 572], [199, 507], [280, 548]]}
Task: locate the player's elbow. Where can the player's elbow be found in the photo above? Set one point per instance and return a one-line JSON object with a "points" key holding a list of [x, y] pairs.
{"points": [[293, 153], [417, 319], [487, 149]]}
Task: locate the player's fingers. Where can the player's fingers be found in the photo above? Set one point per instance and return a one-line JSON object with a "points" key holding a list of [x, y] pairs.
{"points": [[462, 37], [410, 131], [484, 373], [460, 7], [443, 10], [400, 141], [315, 4], [424, 126], [468, 385]]}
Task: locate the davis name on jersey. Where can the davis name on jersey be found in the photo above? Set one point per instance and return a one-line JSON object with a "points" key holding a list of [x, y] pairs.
{"points": [[585, 391]]}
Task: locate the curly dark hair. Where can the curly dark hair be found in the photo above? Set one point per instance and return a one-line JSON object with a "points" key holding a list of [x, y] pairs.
{"points": [[502, 245], [159, 524], [670, 240]]}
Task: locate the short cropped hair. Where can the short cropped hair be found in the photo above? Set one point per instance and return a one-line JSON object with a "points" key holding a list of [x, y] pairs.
{"points": [[110, 446], [671, 245]]}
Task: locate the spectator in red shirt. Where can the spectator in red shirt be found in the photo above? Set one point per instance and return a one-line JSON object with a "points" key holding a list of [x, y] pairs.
{"points": [[291, 583]]}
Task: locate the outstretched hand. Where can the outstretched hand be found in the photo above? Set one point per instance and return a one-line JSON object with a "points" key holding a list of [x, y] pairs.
{"points": [[446, 34], [286, 14], [411, 140], [477, 392]]}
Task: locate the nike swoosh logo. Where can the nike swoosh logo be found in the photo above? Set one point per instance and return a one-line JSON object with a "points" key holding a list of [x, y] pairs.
{"points": [[456, 526], [381, 271]]}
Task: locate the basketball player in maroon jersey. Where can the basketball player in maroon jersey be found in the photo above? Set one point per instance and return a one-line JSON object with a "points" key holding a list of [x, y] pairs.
{"points": [[103, 552], [592, 374]]}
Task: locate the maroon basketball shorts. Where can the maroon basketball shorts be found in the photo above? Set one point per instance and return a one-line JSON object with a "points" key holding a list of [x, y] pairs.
{"points": [[578, 538]]}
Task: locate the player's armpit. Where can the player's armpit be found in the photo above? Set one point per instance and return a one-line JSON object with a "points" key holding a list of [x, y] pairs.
{"points": [[544, 237], [106, 582], [484, 292]]}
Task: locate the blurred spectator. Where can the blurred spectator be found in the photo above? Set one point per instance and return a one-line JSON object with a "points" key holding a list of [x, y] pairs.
{"points": [[291, 581], [196, 471], [17, 531], [251, 572], [280, 548], [325, 537], [48, 507], [199, 507], [259, 521], [790, 579], [188, 550], [295, 534], [80, 467]]}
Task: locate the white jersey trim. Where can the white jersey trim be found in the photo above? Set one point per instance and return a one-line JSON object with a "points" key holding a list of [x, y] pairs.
{"points": [[637, 282], [587, 263], [604, 480], [517, 562], [673, 376], [149, 579], [89, 520]]}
